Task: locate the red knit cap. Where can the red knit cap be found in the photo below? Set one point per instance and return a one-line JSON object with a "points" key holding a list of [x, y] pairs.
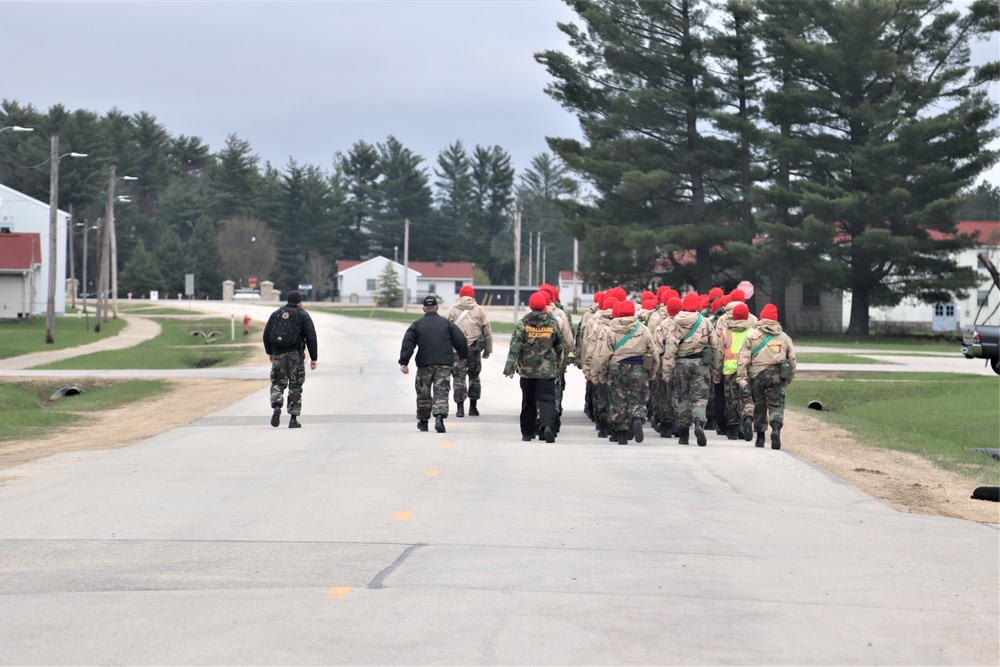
{"points": [[769, 312], [551, 290], [646, 294], [598, 297], [715, 292], [538, 302], [623, 309], [703, 302], [650, 303], [467, 291], [660, 290], [724, 300], [737, 295], [691, 302], [609, 302], [716, 304], [674, 306], [741, 312], [619, 293]]}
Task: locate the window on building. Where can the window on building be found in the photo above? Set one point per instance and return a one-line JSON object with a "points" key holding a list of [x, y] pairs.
{"points": [[458, 286], [372, 284], [432, 289], [810, 296], [983, 298], [949, 310]]}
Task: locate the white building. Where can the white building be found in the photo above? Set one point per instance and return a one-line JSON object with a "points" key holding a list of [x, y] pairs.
{"points": [[952, 316], [21, 214], [357, 281], [20, 274], [570, 286]]}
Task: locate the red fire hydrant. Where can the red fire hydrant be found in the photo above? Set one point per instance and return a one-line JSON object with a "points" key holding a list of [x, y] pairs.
{"points": [[246, 325]]}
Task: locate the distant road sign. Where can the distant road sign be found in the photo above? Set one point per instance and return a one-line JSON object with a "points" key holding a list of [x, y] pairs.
{"points": [[746, 287], [305, 286]]}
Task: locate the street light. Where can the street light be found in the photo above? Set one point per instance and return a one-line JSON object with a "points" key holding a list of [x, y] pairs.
{"points": [[17, 128], [112, 236], [50, 311]]}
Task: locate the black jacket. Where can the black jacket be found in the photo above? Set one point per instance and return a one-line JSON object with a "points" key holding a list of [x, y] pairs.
{"points": [[434, 338], [307, 331]]}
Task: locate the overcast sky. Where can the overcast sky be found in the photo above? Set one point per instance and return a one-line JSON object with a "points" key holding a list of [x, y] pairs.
{"points": [[303, 80]]}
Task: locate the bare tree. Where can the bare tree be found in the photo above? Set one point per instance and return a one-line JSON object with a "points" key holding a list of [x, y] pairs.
{"points": [[317, 273], [246, 248]]}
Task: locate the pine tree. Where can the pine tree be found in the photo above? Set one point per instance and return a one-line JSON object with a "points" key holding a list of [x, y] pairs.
{"points": [[141, 275], [390, 294]]}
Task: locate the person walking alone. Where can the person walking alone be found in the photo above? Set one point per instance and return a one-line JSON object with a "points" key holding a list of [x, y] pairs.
{"points": [[436, 341], [471, 318], [289, 332], [536, 347]]}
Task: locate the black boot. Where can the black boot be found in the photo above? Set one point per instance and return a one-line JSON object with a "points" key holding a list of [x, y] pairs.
{"points": [[775, 436], [460, 412], [747, 428], [683, 434], [760, 439], [710, 424], [667, 428], [439, 423], [602, 431], [637, 429], [421, 424], [473, 412], [549, 434], [699, 432], [294, 422], [733, 433], [276, 417], [721, 429], [622, 437]]}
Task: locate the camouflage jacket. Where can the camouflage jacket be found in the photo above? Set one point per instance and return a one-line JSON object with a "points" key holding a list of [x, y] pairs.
{"points": [[778, 349], [581, 331], [565, 330], [596, 327], [474, 323], [536, 347], [678, 346], [725, 318]]}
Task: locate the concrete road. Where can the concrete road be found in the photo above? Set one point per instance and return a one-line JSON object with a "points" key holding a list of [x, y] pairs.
{"points": [[359, 540]]}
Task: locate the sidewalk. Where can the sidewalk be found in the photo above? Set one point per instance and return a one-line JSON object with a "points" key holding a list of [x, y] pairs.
{"points": [[137, 330]]}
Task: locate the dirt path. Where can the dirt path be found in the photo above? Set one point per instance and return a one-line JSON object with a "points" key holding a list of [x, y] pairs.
{"points": [[904, 481]]}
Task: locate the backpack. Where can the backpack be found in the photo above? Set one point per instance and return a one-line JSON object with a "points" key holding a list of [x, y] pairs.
{"points": [[287, 330]]}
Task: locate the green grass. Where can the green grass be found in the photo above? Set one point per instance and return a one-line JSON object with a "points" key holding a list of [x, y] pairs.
{"points": [[939, 416], [175, 347], [910, 343], [27, 336], [398, 316], [832, 358], [26, 410]]}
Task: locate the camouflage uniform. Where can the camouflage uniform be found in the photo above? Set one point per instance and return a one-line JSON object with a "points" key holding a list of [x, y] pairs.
{"points": [[536, 348], [690, 373], [471, 318], [625, 367], [724, 364], [288, 369], [597, 328], [432, 384], [761, 371]]}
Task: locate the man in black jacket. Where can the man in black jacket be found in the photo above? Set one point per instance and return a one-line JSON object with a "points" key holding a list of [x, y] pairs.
{"points": [[289, 332], [436, 340]]}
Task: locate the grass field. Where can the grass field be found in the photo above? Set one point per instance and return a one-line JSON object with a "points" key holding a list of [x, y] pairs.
{"points": [[26, 336], [939, 416], [832, 358], [399, 316], [27, 411], [913, 344], [175, 347]]}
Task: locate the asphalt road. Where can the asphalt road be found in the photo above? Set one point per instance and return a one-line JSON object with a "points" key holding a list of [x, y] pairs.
{"points": [[358, 540]]}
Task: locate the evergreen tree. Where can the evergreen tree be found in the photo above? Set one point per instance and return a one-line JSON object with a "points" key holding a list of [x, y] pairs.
{"points": [[390, 294], [404, 194], [141, 275], [360, 170], [542, 189], [493, 177], [456, 205], [203, 251], [982, 203], [234, 181], [898, 125], [172, 262]]}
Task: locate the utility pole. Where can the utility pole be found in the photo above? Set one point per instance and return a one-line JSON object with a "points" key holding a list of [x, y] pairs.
{"points": [[539, 279], [50, 310], [113, 245], [406, 263], [102, 258], [517, 260], [576, 268], [86, 226], [545, 263], [70, 224], [531, 257]]}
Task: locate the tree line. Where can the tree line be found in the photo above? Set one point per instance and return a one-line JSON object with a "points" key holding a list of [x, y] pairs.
{"points": [[832, 142]]}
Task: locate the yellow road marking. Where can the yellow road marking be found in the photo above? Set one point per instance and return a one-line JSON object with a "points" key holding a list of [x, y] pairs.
{"points": [[446, 445], [433, 473], [404, 515], [338, 592]]}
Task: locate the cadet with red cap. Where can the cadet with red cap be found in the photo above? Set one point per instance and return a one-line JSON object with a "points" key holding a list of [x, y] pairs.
{"points": [[534, 354], [662, 394], [624, 360], [581, 332], [690, 347], [471, 318], [565, 324], [734, 397], [766, 364]]}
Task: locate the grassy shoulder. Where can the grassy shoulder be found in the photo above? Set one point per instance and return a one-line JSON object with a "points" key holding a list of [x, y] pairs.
{"points": [[202, 342], [397, 315], [27, 336], [941, 417], [27, 409]]}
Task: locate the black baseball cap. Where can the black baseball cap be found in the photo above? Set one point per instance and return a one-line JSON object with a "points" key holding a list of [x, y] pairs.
{"points": [[430, 301]]}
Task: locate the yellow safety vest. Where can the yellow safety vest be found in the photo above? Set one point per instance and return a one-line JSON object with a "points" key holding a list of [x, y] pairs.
{"points": [[734, 341]]}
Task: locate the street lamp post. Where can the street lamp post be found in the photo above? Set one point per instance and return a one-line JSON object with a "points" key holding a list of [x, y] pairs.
{"points": [[17, 128], [50, 311], [112, 237]]}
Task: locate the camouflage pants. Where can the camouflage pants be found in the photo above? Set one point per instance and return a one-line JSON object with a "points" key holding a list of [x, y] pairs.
{"points": [[288, 369], [433, 384], [468, 368], [736, 398], [768, 392], [602, 403], [691, 387], [662, 401], [628, 391]]}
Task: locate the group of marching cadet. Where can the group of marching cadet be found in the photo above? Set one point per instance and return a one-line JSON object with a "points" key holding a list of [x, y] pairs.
{"points": [[701, 361]]}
